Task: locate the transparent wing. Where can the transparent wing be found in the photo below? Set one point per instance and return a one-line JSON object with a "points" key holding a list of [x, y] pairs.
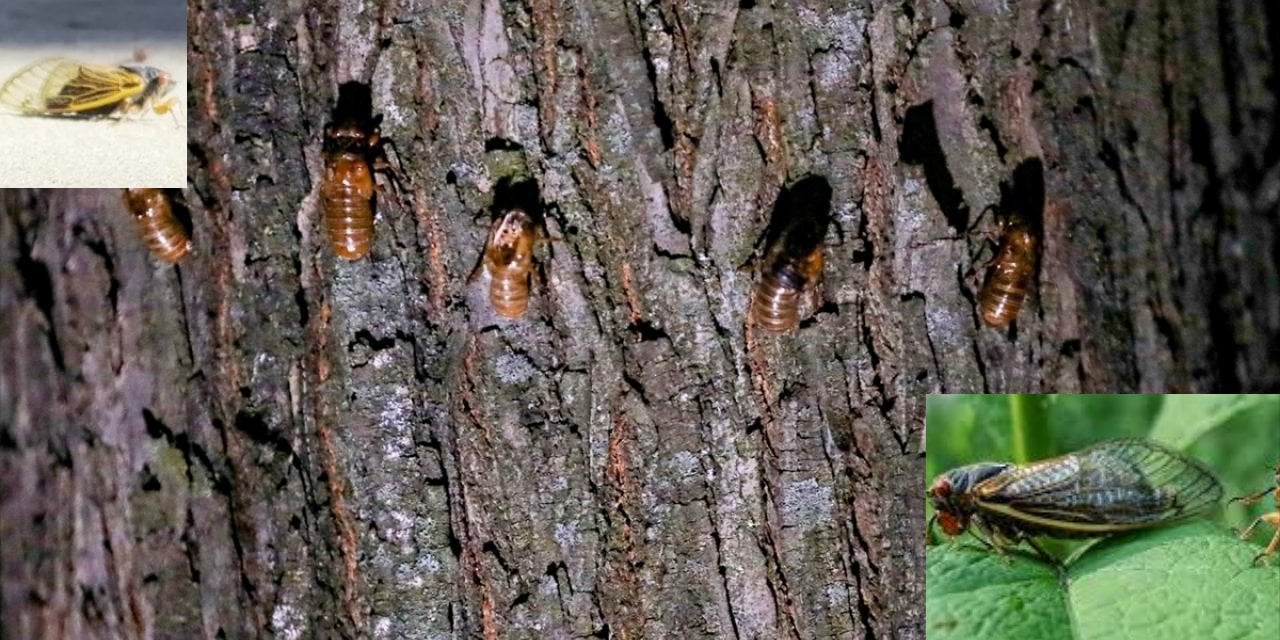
{"points": [[1121, 483], [59, 85]]}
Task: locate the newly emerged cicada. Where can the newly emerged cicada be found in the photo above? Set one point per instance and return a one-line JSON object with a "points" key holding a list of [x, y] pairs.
{"points": [[347, 191], [508, 260], [1272, 518], [62, 87], [792, 270], [1112, 487], [159, 227], [1006, 285]]}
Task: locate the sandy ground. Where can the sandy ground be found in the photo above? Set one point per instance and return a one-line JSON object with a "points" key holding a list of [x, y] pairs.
{"points": [[146, 150]]}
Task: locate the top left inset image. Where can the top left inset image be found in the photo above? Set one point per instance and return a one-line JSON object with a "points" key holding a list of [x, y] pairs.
{"points": [[93, 94]]}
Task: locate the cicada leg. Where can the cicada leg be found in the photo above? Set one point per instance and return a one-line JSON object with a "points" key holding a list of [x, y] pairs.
{"points": [[1274, 520], [168, 106]]}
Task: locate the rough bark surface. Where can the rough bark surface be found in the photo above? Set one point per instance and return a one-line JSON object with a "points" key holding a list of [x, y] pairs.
{"points": [[267, 442]]}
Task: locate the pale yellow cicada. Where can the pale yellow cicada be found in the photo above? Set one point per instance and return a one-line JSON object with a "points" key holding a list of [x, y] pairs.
{"points": [[62, 87]]}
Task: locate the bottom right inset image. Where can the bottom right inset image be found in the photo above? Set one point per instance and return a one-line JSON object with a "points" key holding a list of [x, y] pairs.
{"points": [[1102, 516]]}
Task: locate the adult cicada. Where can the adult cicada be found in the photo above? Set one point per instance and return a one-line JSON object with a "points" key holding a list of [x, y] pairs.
{"points": [[1111, 487], [1272, 518], [62, 87]]}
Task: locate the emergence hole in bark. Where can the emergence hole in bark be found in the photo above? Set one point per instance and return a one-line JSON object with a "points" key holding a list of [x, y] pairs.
{"points": [[149, 480], [517, 193], [355, 104], [1023, 196], [803, 212], [919, 145], [501, 144]]}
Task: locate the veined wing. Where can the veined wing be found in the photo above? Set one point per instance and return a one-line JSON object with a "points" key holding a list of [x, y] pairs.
{"points": [[1112, 486], [59, 85]]}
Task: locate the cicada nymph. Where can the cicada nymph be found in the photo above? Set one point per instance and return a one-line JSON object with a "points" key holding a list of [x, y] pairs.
{"points": [[160, 228], [62, 87], [1272, 518], [347, 190], [1112, 487], [508, 260], [1012, 269], [792, 269]]}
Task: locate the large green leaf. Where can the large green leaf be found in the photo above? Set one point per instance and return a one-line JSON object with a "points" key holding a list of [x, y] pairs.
{"points": [[1183, 419], [1189, 581]]}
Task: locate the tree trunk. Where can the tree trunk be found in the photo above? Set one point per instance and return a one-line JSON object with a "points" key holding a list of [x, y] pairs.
{"points": [[268, 442]]}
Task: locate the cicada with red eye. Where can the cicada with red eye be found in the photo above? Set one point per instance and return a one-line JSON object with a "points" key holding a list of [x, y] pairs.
{"points": [[1272, 518], [1109, 488]]}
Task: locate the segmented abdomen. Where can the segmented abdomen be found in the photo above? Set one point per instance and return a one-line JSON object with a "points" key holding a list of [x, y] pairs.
{"points": [[160, 229], [347, 196], [1006, 286], [509, 291], [777, 297]]}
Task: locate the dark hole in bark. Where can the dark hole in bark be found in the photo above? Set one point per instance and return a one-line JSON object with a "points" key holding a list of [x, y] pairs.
{"points": [[38, 285], [801, 216], [155, 428], [517, 193], [255, 427], [1023, 197], [149, 480], [366, 338], [501, 144], [919, 146], [355, 105], [660, 117]]}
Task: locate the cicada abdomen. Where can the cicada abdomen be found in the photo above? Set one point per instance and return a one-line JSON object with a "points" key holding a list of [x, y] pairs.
{"points": [[1006, 285], [1272, 518], [1112, 487], [347, 190], [792, 269], [508, 259], [160, 228]]}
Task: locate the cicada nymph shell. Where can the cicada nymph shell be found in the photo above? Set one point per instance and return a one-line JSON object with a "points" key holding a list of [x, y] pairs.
{"points": [[508, 259], [160, 228], [1011, 272], [792, 269], [347, 189]]}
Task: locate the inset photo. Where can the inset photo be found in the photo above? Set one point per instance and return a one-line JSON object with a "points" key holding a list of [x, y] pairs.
{"points": [[1092, 516], [93, 94]]}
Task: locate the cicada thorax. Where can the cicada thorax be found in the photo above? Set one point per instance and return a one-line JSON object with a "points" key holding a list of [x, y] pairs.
{"points": [[347, 190], [792, 270], [161, 230], [1006, 285], [508, 259]]}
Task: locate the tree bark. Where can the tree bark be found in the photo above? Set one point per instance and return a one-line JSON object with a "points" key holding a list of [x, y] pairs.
{"points": [[268, 442]]}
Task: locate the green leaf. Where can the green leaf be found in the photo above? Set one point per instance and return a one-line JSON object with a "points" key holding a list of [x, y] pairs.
{"points": [[1191, 581], [1184, 418]]}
